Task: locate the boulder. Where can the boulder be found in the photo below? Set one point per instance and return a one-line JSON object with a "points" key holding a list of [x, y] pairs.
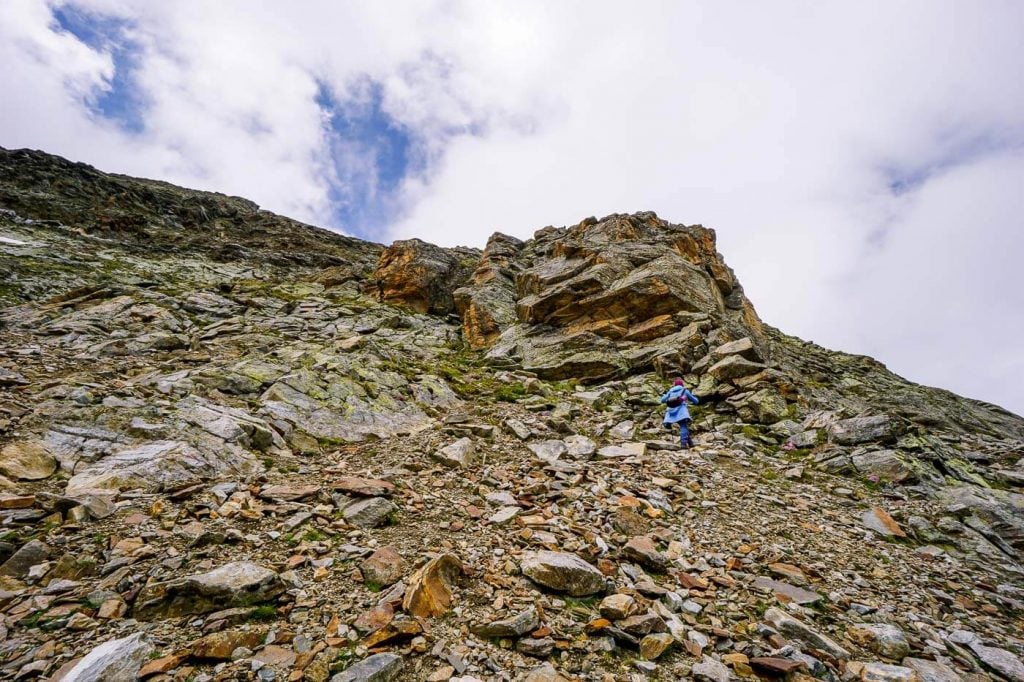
{"points": [[878, 428], [429, 593], [27, 461], [376, 668], [734, 367], [883, 639], [515, 626], [32, 553], [160, 465], [239, 583], [384, 567], [790, 627], [562, 572], [370, 512], [118, 660], [461, 453], [931, 671]]}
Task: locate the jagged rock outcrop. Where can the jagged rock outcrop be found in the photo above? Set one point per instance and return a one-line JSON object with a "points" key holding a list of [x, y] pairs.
{"points": [[422, 277], [487, 304]]}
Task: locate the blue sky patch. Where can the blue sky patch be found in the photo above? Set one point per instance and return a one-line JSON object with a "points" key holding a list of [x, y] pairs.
{"points": [[370, 155], [122, 102]]}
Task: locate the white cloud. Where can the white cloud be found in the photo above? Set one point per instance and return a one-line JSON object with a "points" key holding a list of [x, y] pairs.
{"points": [[781, 125]]}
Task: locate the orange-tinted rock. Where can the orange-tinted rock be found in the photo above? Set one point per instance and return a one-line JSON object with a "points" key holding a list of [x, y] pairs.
{"points": [[422, 277], [219, 645], [430, 588]]}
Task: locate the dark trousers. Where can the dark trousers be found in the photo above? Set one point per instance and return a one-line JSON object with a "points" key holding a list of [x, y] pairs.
{"points": [[684, 432]]}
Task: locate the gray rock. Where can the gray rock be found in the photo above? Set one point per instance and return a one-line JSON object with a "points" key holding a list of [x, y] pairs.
{"points": [[792, 628], [999, 660], [518, 428], [159, 465], [519, 624], [734, 367], [548, 450], [710, 670], [881, 638], [931, 671], [880, 428], [376, 668], [118, 660], [563, 572], [32, 553], [580, 447], [537, 648], [797, 595], [240, 583], [370, 512], [882, 672], [461, 453]]}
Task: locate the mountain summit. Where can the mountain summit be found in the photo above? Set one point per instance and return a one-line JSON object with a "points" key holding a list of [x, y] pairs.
{"points": [[235, 446]]}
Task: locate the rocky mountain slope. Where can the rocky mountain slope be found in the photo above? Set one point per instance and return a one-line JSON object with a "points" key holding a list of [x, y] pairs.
{"points": [[234, 446]]}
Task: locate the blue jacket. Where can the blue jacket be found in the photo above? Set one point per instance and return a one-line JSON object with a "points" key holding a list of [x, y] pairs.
{"points": [[678, 414]]}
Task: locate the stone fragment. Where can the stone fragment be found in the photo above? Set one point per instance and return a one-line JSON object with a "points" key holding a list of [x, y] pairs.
{"points": [[710, 670], [515, 626], [240, 583], [383, 568], [429, 593], [776, 666], [618, 606], [376, 668], [879, 521], [32, 553], [460, 454], [883, 672], [792, 628], [622, 451], [999, 660], [563, 572], [931, 671], [580, 447], [545, 673], [504, 515], [653, 646], [118, 660], [883, 639], [27, 461], [785, 592], [536, 647], [734, 367], [370, 512], [364, 487], [289, 493], [218, 646], [161, 665], [643, 550], [548, 450]]}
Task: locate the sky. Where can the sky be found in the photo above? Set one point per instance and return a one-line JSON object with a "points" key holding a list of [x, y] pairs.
{"points": [[862, 163]]}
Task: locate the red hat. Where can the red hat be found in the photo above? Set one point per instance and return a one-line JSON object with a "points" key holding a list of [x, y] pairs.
{"points": [[677, 382]]}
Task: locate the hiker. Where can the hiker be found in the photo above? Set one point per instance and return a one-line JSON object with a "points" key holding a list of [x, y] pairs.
{"points": [[676, 399]]}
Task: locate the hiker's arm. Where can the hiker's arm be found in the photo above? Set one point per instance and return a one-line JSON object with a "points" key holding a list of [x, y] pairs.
{"points": [[692, 397], [664, 398]]}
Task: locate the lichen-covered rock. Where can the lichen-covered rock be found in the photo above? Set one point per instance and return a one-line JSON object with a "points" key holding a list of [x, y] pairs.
{"points": [[239, 583]]}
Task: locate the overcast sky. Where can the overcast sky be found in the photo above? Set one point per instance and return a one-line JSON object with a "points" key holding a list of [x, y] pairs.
{"points": [[862, 163]]}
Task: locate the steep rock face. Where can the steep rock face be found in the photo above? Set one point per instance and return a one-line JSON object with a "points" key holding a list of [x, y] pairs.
{"points": [[422, 277], [487, 303]]}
